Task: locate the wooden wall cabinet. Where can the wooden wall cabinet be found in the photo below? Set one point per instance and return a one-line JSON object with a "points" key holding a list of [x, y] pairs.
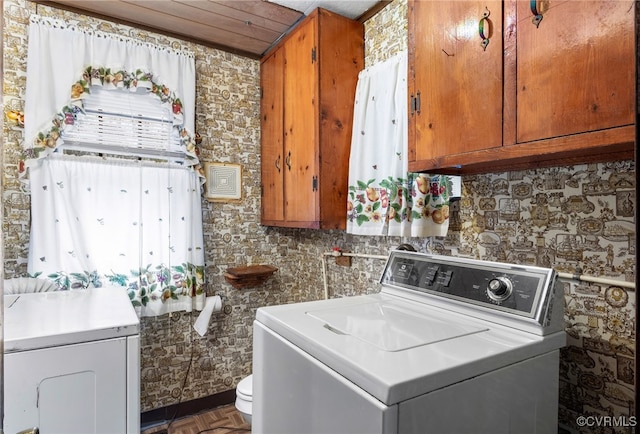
{"points": [[491, 91], [308, 84]]}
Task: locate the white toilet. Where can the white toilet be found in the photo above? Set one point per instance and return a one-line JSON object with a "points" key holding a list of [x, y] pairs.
{"points": [[244, 398]]}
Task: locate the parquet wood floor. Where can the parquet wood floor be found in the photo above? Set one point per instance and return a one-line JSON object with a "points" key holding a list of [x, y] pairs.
{"points": [[222, 420]]}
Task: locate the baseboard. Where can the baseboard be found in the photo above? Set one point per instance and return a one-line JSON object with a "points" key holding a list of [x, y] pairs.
{"points": [[161, 415]]}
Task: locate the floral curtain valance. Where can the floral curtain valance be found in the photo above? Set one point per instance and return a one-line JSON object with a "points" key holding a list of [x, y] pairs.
{"points": [[384, 198], [64, 62]]}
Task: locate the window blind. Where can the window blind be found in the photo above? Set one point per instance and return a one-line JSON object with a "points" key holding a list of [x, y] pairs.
{"points": [[125, 123]]}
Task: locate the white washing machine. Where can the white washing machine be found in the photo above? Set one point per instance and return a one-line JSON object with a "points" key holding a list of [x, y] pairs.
{"points": [[449, 345], [71, 362]]}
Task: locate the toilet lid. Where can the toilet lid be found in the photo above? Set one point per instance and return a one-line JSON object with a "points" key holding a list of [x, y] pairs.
{"points": [[245, 387]]}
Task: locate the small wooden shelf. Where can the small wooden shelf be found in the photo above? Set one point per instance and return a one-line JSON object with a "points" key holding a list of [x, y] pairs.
{"points": [[249, 276]]}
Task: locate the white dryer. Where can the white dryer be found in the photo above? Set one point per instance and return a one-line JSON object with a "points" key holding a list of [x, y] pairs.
{"points": [[449, 345], [71, 362]]}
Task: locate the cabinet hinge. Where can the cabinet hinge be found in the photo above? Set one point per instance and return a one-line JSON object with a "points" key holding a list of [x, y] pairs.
{"points": [[415, 103], [313, 54], [261, 92], [314, 183]]}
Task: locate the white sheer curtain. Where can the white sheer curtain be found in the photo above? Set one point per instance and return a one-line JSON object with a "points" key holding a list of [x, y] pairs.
{"points": [[384, 198], [63, 62], [97, 222]]}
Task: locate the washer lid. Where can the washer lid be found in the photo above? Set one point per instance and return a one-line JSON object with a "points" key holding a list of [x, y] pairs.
{"points": [[389, 327], [49, 319]]}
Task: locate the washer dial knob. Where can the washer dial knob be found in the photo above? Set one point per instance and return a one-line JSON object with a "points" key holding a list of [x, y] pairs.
{"points": [[499, 288]]}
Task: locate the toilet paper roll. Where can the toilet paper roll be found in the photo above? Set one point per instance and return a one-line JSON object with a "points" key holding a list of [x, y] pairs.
{"points": [[213, 304]]}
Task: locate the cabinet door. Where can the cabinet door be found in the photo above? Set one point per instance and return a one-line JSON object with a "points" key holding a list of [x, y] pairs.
{"points": [[300, 125], [576, 70], [272, 162], [458, 82]]}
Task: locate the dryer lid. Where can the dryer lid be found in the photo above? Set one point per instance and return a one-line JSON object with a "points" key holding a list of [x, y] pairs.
{"points": [[49, 319]]}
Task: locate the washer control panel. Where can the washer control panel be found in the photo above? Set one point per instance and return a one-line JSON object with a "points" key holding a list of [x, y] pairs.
{"points": [[506, 287]]}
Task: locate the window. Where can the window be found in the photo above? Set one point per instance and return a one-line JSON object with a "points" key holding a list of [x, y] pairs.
{"points": [[123, 122]]}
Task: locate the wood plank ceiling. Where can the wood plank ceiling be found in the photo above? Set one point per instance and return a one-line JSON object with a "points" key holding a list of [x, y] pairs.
{"points": [[247, 27]]}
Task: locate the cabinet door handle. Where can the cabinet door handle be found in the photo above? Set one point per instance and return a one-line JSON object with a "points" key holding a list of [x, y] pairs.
{"points": [[537, 16], [484, 39], [278, 163], [287, 161]]}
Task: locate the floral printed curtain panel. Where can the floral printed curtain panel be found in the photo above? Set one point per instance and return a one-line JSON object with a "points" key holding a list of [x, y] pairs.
{"points": [[98, 222], [64, 62], [384, 198]]}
